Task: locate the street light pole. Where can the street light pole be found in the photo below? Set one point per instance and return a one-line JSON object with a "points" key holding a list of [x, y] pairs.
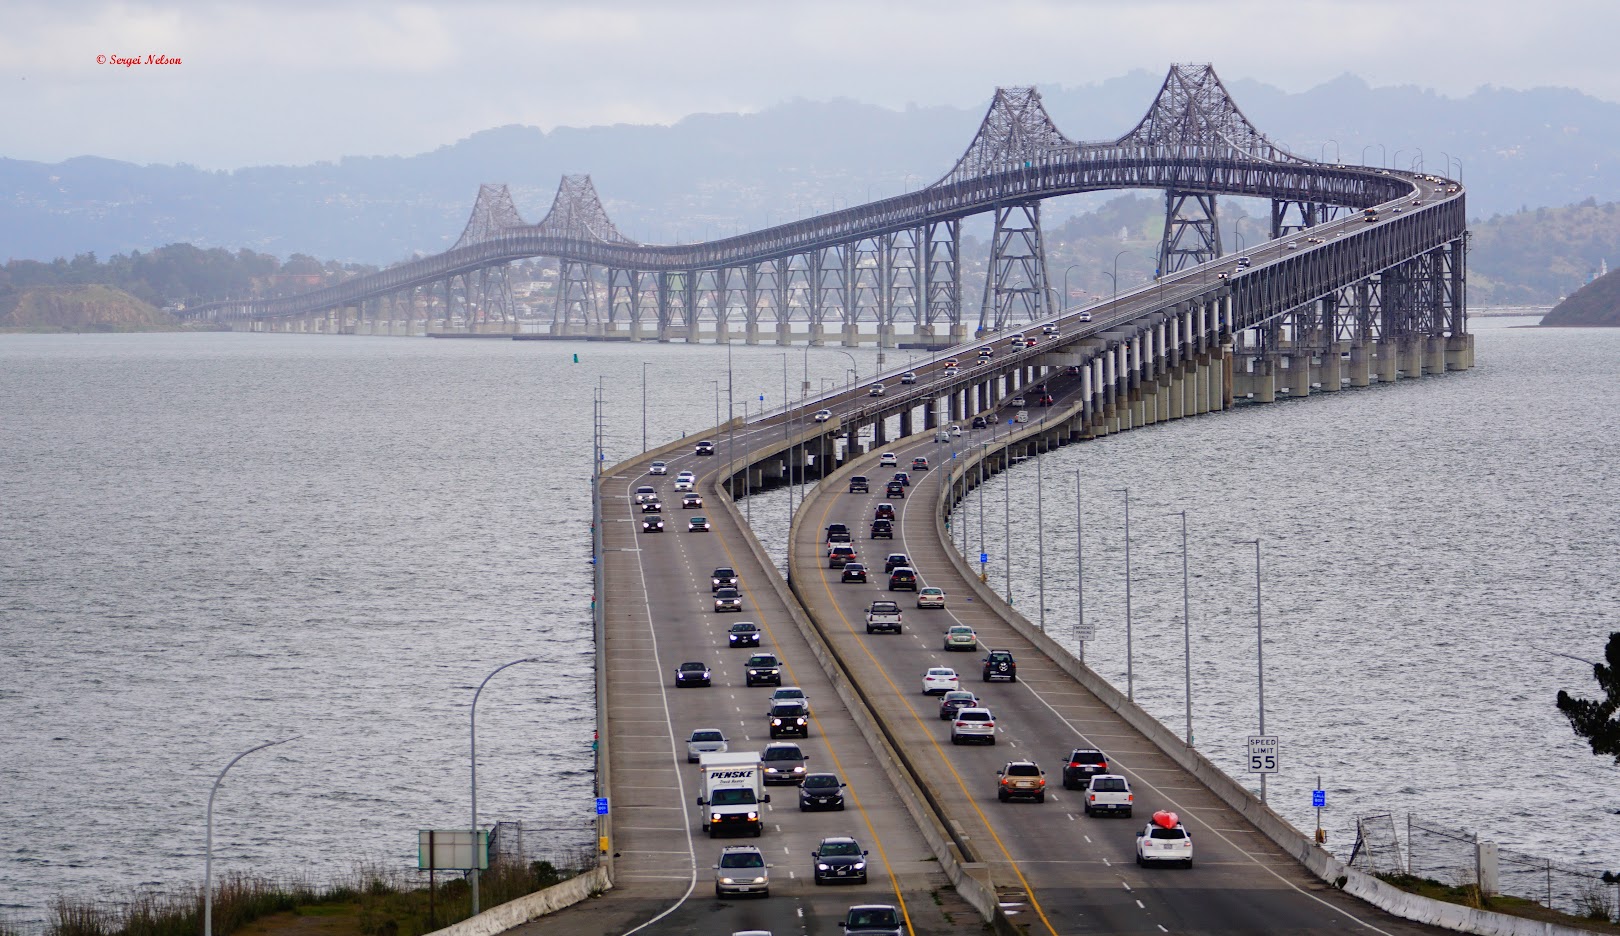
{"points": [[1130, 680], [1186, 623], [1065, 303], [208, 849], [1079, 570], [716, 401], [1260, 656], [1006, 518], [748, 470], [1115, 277], [644, 406], [474, 747], [1040, 546]]}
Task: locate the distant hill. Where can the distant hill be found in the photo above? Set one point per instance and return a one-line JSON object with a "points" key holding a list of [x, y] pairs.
{"points": [[713, 174], [1538, 256], [1596, 303], [85, 308]]}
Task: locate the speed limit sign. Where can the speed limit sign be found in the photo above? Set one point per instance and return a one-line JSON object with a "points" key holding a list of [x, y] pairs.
{"points": [[1262, 754]]}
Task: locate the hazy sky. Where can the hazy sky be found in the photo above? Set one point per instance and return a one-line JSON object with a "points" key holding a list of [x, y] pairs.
{"points": [[295, 81]]}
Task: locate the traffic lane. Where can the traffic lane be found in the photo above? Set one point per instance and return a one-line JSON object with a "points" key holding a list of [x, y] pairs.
{"points": [[1049, 714], [884, 828], [895, 688]]}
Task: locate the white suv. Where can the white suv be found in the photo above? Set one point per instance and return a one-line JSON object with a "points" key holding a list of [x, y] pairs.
{"points": [[1164, 840], [974, 724], [888, 459]]}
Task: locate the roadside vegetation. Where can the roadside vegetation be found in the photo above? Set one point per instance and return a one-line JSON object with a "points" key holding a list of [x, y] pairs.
{"points": [[1597, 907], [370, 902]]}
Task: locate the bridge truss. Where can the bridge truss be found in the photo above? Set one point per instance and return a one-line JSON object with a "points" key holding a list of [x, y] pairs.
{"points": [[898, 261]]}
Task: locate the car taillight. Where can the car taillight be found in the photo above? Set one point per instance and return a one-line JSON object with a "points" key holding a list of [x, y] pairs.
{"points": [[989, 724], [1076, 764], [1130, 797]]}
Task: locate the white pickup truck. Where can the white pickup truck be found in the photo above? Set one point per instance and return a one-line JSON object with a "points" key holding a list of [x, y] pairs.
{"points": [[883, 616], [1109, 793]]}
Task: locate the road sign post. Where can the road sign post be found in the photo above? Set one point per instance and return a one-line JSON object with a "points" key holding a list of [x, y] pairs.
{"points": [[601, 805], [1319, 803]]}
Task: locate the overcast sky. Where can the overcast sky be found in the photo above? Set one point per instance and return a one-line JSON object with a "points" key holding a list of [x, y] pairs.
{"points": [[295, 81]]}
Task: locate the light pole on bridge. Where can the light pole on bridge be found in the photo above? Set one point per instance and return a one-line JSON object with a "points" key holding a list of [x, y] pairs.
{"points": [[1114, 277], [644, 406], [1065, 303], [473, 734], [1130, 679], [208, 847]]}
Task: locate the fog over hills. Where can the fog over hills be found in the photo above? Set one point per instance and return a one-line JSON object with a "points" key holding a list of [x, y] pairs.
{"points": [[714, 174]]}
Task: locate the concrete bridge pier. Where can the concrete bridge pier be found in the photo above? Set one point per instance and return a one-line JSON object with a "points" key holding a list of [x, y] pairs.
{"points": [[886, 337], [818, 335], [1299, 374], [1360, 364], [1388, 361], [905, 422], [1263, 379], [1220, 390], [1434, 361], [1459, 352], [931, 415], [784, 333], [1411, 355], [1332, 369], [851, 335], [751, 333], [959, 334]]}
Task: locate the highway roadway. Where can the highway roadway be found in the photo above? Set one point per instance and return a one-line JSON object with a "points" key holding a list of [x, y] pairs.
{"points": [[1070, 874], [660, 614]]}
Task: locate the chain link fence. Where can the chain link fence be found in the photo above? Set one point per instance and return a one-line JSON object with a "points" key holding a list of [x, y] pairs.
{"points": [[1457, 857], [567, 848]]}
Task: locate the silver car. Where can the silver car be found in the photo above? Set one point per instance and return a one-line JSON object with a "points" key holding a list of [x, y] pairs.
{"points": [[742, 870], [705, 741]]}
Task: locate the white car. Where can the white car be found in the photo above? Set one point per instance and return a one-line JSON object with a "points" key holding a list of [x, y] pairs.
{"points": [[791, 694], [1083, 317], [974, 723], [950, 372], [684, 484], [909, 377], [658, 468], [646, 493], [940, 680], [931, 598], [705, 741], [1049, 329], [686, 476], [961, 637], [1019, 402], [1164, 840], [888, 459], [1292, 245], [823, 415]]}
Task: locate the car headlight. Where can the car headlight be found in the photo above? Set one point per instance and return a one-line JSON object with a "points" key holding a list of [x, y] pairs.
{"points": [[726, 880], [776, 721], [823, 867], [714, 817], [860, 866], [799, 722], [753, 672], [798, 769], [753, 815]]}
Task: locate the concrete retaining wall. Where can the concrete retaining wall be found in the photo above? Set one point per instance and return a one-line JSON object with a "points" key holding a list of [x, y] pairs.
{"points": [[517, 912]]}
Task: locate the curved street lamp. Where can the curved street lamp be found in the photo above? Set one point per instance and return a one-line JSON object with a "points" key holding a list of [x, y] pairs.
{"points": [[208, 852], [474, 737]]}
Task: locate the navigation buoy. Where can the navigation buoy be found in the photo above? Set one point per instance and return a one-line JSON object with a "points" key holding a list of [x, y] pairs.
{"points": [[1165, 819]]}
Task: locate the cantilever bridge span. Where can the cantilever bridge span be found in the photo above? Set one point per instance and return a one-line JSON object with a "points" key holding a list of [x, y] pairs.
{"points": [[898, 261]]}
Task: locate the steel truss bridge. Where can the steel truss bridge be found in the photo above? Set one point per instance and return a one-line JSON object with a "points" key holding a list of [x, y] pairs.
{"points": [[899, 260]]}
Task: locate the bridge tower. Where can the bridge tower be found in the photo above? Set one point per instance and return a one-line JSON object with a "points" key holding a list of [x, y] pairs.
{"points": [[1016, 279], [1191, 232]]}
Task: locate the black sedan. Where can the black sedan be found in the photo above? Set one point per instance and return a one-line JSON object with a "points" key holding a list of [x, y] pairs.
{"points": [[743, 634], [894, 489], [821, 791], [652, 525], [854, 572], [691, 674], [840, 858]]}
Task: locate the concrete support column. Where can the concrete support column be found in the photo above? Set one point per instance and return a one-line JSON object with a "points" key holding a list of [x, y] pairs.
{"points": [[905, 422], [880, 432], [1332, 366], [931, 414], [1220, 379], [1459, 352], [886, 337], [1434, 361], [959, 334], [1388, 363], [925, 334], [818, 335], [1360, 364], [1263, 380], [1299, 374], [784, 333], [1412, 356]]}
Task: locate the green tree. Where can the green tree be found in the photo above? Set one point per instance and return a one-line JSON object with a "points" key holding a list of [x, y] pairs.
{"points": [[1594, 720]]}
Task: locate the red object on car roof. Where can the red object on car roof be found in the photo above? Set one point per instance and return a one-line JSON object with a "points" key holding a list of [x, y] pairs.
{"points": [[1165, 819]]}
